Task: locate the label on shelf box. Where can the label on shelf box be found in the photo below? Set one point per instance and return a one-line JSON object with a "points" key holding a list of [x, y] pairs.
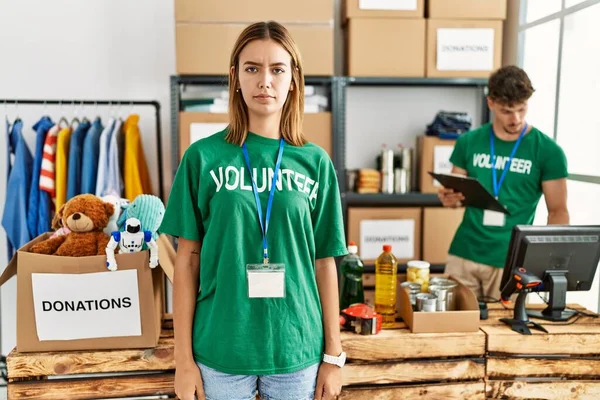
{"points": [[402, 5], [441, 161], [86, 306], [465, 49], [400, 233]]}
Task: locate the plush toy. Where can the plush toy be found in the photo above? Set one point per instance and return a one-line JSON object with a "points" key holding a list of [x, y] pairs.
{"points": [[85, 216], [118, 203], [131, 241], [148, 209]]}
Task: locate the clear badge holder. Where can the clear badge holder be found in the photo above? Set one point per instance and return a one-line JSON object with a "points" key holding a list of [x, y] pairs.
{"points": [[266, 280]]}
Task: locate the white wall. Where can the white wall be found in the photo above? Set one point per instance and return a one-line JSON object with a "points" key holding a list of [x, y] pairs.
{"points": [[93, 49]]}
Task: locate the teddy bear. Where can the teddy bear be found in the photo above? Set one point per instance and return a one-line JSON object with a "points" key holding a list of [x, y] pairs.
{"points": [[85, 216]]}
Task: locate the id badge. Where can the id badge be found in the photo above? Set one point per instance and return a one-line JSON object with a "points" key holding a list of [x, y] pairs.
{"points": [[493, 218], [266, 280]]}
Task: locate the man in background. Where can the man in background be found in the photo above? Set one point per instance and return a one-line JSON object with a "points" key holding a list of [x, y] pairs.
{"points": [[515, 162]]}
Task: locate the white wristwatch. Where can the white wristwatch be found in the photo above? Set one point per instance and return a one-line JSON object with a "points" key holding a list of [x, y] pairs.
{"points": [[339, 360]]}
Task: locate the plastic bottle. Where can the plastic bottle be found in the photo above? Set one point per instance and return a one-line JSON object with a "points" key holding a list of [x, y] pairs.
{"points": [[352, 268], [386, 270]]}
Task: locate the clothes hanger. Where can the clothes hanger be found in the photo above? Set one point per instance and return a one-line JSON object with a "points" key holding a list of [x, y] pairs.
{"points": [[63, 122], [84, 118], [75, 116]]}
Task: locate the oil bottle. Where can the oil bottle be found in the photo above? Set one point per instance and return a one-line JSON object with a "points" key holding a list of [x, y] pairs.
{"points": [[386, 270], [351, 268]]}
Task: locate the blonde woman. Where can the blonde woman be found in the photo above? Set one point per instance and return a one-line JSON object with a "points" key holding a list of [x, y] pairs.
{"points": [[257, 212]]}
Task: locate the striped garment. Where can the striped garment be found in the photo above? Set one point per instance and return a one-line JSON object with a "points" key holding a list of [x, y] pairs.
{"points": [[47, 174]]}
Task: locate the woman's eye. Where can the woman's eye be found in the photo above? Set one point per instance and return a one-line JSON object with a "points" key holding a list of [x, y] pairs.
{"points": [[251, 69], [278, 70]]}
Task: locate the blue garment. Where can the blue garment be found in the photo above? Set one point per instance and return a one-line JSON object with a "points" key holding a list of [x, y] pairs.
{"points": [[14, 218], [89, 164], [75, 157], [38, 211]]}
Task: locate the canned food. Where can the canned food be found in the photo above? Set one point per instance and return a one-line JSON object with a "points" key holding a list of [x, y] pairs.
{"points": [[445, 290], [418, 272], [426, 302], [413, 290], [437, 280]]}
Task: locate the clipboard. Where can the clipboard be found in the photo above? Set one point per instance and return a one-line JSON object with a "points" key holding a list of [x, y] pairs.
{"points": [[473, 191]]}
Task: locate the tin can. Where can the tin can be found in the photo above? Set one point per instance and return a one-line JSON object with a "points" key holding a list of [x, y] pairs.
{"points": [[413, 290], [445, 290], [442, 296], [426, 302]]}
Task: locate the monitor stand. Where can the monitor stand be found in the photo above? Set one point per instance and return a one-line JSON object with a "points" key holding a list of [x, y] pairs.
{"points": [[555, 282], [520, 323]]}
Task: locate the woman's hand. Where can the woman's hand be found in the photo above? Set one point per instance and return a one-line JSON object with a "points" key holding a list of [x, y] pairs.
{"points": [[188, 382], [329, 382]]}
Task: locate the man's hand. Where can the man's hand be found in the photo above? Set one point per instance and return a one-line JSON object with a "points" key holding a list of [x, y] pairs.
{"points": [[329, 382], [449, 198]]}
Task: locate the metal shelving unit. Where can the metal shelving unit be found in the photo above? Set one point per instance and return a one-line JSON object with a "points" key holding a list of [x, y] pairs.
{"points": [[394, 199]]}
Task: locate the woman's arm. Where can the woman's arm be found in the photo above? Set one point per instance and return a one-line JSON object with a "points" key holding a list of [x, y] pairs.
{"points": [[185, 290], [327, 283]]}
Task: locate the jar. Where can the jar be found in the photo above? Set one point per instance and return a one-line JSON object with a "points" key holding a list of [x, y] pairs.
{"points": [[418, 272]]}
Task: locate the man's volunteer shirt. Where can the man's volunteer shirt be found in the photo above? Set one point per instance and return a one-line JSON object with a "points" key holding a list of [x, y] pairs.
{"points": [[212, 200], [537, 159]]}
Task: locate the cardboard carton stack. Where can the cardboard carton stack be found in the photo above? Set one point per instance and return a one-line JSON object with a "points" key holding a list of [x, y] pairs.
{"points": [[385, 38], [206, 32], [464, 37]]}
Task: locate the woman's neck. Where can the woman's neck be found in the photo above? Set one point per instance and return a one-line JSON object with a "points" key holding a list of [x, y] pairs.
{"points": [[265, 126]]}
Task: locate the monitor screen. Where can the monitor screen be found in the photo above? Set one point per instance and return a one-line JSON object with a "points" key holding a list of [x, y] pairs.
{"points": [[543, 250]]}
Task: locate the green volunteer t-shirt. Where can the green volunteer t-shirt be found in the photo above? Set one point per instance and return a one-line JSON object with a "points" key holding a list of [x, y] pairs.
{"points": [[212, 200], [538, 158]]}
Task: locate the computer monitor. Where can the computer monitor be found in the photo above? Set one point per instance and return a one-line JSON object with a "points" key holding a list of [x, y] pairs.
{"points": [[564, 257]]}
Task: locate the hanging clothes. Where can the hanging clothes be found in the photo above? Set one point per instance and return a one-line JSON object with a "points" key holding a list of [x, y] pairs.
{"points": [[136, 176], [75, 159], [14, 217], [38, 212], [89, 164], [114, 183], [48, 173], [62, 159], [103, 158]]}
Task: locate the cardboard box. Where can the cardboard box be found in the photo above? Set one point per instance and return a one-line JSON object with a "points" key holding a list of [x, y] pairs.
{"points": [[386, 47], [464, 319], [371, 228], [466, 9], [463, 48], [384, 9], [192, 125], [225, 11], [205, 48], [63, 302], [433, 155], [439, 226]]}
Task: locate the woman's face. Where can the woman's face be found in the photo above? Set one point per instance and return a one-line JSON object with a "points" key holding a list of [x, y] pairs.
{"points": [[265, 76]]}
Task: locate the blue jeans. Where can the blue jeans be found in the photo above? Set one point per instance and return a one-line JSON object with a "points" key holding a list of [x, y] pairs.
{"points": [[299, 385]]}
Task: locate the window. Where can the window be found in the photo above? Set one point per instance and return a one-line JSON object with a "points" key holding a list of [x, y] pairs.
{"points": [[536, 9], [578, 130], [540, 60]]}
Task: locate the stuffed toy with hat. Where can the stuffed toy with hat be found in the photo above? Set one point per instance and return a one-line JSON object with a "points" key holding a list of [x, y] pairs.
{"points": [[85, 216], [146, 208]]}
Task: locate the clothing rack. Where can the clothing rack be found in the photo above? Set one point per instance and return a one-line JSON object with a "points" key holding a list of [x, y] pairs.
{"points": [[72, 102]]}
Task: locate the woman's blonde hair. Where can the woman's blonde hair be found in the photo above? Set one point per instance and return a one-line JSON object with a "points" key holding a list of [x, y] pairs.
{"points": [[292, 114]]}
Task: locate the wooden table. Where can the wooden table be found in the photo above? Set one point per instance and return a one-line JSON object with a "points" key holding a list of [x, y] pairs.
{"points": [[494, 362], [563, 364], [94, 374], [397, 364]]}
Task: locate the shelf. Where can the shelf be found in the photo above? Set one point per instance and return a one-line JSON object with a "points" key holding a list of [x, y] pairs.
{"points": [[434, 268], [389, 81], [394, 199]]}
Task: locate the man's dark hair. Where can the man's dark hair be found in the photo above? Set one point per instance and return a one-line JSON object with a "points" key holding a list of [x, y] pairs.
{"points": [[509, 86]]}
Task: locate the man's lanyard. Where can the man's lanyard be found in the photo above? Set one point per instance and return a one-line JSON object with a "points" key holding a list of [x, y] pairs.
{"points": [[264, 227], [497, 183]]}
